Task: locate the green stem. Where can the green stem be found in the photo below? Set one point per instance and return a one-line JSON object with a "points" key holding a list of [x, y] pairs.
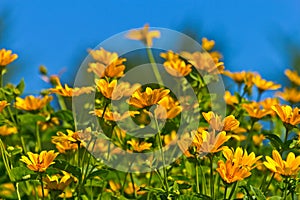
{"points": [[85, 172], [162, 156], [270, 181], [232, 190], [212, 185], [35, 191], [150, 179], [1, 76], [197, 177], [11, 115], [203, 181], [286, 134], [285, 189], [78, 154], [154, 66], [159, 176], [61, 102], [42, 185], [263, 181], [38, 139], [18, 192], [5, 160], [23, 144], [124, 182], [225, 193], [133, 186], [250, 134]]}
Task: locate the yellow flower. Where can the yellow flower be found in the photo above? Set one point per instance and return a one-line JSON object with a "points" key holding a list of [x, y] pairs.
{"points": [[7, 189], [58, 182], [103, 56], [69, 92], [124, 89], [3, 104], [212, 142], [290, 94], [150, 97], [177, 68], [293, 76], [229, 123], [237, 166], [114, 116], [130, 189], [238, 134], [168, 108], [144, 35], [113, 70], [50, 123], [242, 77], [257, 139], [263, 84], [241, 157], [114, 187], [6, 57], [287, 114], [31, 103], [105, 87], [39, 162], [118, 136], [290, 167], [268, 103], [230, 172], [169, 138], [230, 99], [169, 55], [253, 109], [115, 91], [6, 130], [216, 56], [238, 77], [203, 61], [139, 146], [207, 44], [65, 142], [190, 147]]}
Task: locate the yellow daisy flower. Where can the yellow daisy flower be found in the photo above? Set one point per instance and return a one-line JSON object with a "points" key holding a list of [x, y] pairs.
{"points": [[31, 103], [144, 35], [39, 162], [288, 167], [6, 57]]}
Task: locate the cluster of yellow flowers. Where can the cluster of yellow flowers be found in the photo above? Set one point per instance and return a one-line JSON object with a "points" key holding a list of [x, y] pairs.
{"points": [[237, 147]]}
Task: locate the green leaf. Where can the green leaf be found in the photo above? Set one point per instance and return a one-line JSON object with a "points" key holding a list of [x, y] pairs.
{"points": [[94, 183], [14, 150], [29, 118], [194, 197], [65, 166], [100, 173], [20, 87], [84, 197], [194, 76], [275, 198], [22, 174], [275, 141], [258, 193], [66, 115]]}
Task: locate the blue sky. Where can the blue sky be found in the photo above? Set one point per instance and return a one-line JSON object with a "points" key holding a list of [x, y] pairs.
{"points": [[251, 34]]}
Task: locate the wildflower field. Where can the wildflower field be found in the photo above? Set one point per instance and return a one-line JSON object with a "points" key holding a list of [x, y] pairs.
{"points": [[187, 136]]}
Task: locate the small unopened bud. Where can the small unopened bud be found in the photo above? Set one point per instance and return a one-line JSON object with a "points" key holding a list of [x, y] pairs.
{"points": [[43, 70], [54, 80]]}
